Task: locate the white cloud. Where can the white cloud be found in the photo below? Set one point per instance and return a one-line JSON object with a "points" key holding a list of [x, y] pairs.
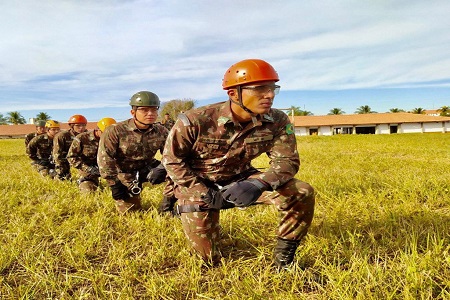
{"points": [[97, 53]]}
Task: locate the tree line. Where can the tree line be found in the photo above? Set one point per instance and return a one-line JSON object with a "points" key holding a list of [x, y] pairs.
{"points": [[174, 107], [366, 109]]}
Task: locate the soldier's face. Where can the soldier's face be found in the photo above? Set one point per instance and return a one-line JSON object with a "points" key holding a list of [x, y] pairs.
{"points": [[41, 129], [259, 97], [52, 132], [79, 128], [145, 114]]}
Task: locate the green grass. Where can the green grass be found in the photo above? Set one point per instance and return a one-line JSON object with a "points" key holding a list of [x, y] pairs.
{"points": [[380, 231]]}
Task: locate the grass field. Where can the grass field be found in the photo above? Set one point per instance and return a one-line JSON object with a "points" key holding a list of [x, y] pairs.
{"points": [[381, 231]]}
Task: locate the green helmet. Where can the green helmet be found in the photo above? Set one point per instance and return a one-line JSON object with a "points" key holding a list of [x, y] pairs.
{"points": [[40, 123], [145, 98]]}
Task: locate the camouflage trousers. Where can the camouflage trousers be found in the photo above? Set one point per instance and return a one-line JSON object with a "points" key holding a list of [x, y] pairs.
{"points": [[87, 183], [294, 200]]}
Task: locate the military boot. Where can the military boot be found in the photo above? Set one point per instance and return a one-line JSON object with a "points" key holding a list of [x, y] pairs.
{"points": [[166, 205], [284, 253], [132, 204]]}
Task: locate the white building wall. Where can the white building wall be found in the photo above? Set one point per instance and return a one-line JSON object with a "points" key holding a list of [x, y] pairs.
{"points": [[325, 130], [411, 128], [382, 129], [432, 127], [301, 131]]}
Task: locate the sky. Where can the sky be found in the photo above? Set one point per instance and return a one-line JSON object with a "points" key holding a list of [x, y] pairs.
{"points": [[66, 57]]}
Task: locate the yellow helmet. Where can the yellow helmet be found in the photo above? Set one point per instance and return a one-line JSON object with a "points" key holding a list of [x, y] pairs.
{"points": [[52, 124], [105, 122]]}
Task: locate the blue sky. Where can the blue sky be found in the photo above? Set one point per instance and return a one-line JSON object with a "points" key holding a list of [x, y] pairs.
{"points": [[66, 57]]}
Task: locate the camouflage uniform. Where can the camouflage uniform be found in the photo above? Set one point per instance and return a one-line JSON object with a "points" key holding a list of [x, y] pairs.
{"points": [[168, 124], [82, 155], [39, 150], [61, 144], [208, 147], [29, 137], [125, 150]]}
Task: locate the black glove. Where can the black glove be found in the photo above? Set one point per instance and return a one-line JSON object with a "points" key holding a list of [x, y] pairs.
{"points": [[119, 191], [157, 175], [43, 163], [246, 192], [215, 200], [93, 171]]}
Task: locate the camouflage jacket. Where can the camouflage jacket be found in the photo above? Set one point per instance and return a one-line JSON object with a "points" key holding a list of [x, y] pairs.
{"points": [[29, 137], [169, 124], [208, 143], [83, 151], [61, 145], [40, 148], [124, 149]]}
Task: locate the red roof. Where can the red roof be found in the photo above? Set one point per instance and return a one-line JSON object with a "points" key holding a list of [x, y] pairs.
{"points": [[366, 119], [22, 129]]}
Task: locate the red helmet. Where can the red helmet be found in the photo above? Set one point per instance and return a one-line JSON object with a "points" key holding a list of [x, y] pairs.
{"points": [[77, 119], [248, 71]]}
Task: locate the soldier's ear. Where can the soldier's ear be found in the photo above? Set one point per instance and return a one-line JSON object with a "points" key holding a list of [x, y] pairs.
{"points": [[232, 94]]}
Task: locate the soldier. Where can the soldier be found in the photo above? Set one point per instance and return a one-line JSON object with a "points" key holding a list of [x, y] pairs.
{"points": [[168, 122], [40, 129], [208, 155], [127, 150], [62, 142], [39, 149], [82, 155]]}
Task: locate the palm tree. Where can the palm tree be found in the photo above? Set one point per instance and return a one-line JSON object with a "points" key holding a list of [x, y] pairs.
{"points": [[396, 110], [3, 120], [299, 112], [43, 116], [365, 109], [444, 111], [418, 110], [336, 111], [14, 117]]}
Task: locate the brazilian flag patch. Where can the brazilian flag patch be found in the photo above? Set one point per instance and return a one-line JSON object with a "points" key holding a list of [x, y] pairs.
{"points": [[289, 129]]}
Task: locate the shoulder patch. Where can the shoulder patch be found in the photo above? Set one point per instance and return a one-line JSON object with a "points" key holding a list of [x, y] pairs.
{"points": [[184, 119], [289, 128]]}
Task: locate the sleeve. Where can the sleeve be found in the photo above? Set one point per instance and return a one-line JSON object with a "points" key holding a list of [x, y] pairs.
{"points": [[284, 158], [58, 145], [107, 149], [175, 159], [32, 150], [74, 154]]}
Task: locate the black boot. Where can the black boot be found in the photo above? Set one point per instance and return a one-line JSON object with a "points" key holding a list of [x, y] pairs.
{"points": [[284, 253], [166, 205]]}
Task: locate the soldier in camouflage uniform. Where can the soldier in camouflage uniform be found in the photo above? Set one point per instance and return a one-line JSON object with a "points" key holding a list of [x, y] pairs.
{"points": [[40, 129], [168, 122], [208, 155], [62, 143], [127, 150], [39, 149], [82, 155]]}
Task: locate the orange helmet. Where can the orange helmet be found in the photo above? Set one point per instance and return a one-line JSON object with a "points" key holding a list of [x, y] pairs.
{"points": [[52, 124], [248, 71], [77, 119], [105, 122]]}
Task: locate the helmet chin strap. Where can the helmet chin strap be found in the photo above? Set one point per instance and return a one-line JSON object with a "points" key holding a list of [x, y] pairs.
{"points": [[241, 104]]}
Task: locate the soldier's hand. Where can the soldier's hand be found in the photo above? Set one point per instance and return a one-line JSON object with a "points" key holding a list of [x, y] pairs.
{"points": [[215, 200], [119, 191], [157, 175], [246, 192]]}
